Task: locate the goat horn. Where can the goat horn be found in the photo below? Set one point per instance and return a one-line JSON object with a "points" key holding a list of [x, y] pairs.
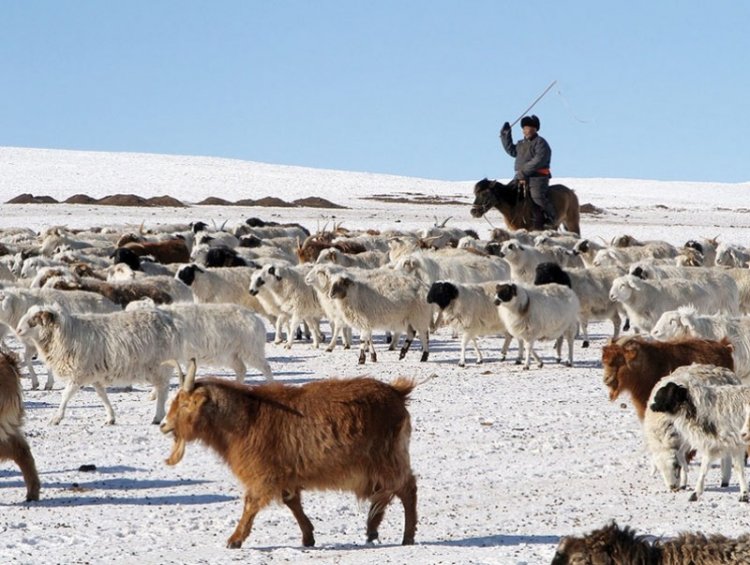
{"points": [[189, 383], [224, 223], [445, 222], [140, 229], [174, 363]]}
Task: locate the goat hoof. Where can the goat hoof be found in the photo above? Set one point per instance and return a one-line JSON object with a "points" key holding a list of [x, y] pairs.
{"points": [[361, 357], [401, 355], [743, 498], [461, 364], [518, 362], [724, 484], [347, 347], [479, 361], [373, 537], [234, 544], [373, 357], [693, 498], [425, 355], [585, 343], [408, 541], [525, 368], [308, 541]]}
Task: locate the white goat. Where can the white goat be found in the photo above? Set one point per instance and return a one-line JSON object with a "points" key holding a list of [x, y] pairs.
{"points": [[710, 418], [218, 335], [104, 349], [385, 299], [532, 313], [297, 301], [667, 446], [645, 301], [319, 278], [15, 302], [471, 309], [458, 265], [687, 322], [731, 255]]}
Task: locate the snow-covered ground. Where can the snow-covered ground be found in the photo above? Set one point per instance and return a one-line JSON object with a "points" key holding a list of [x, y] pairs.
{"points": [[507, 461]]}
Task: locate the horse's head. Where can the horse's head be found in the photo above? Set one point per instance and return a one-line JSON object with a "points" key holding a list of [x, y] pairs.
{"points": [[484, 198]]}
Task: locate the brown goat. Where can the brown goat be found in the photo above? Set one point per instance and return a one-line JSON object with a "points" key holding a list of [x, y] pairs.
{"points": [[120, 293], [636, 364], [165, 252], [278, 440], [13, 444], [308, 251], [619, 546]]}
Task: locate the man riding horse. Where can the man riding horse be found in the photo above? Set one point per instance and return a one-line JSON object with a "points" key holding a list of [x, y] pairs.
{"points": [[533, 155]]}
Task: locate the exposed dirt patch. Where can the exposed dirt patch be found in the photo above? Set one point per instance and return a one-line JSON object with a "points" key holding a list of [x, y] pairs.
{"points": [[316, 202], [591, 209], [414, 198], [169, 201], [27, 198]]}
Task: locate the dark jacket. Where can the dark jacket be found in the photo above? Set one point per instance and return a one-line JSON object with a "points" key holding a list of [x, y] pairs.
{"points": [[532, 155]]}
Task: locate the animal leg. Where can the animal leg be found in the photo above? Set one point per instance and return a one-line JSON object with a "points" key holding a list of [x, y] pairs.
{"points": [[28, 354], [519, 357], [464, 340], [478, 352], [378, 503], [250, 509], [262, 365], [239, 369], [424, 337], [294, 323], [738, 461], [506, 346], [726, 470], [408, 496], [102, 392], [16, 448], [161, 387], [347, 337], [293, 501], [701, 480], [584, 327], [571, 339], [373, 353], [335, 331], [68, 392], [317, 337], [558, 348], [364, 340], [410, 333]]}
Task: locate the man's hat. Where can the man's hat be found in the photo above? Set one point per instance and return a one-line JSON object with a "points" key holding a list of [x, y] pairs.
{"points": [[532, 121]]}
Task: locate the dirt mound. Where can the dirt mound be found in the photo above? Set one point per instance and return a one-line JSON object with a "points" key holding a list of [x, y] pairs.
{"points": [[270, 202], [167, 201], [80, 199], [215, 201], [591, 209], [27, 198], [316, 202], [122, 200]]}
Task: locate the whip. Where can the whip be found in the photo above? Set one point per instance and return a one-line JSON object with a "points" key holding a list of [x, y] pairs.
{"points": [[546, 90]]}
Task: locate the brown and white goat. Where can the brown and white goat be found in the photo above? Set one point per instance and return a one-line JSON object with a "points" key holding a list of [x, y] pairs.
{"points": [[636, 364], [278, 440], [13, 444]]}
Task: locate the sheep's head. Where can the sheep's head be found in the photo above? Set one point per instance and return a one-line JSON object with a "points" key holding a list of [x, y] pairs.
{"points": [[340, 286], [184, 413], [35, 321], [671, 399], [622, 289], [256, 283], [673, 324], [505, 293], [187, 273], [442, 293]]}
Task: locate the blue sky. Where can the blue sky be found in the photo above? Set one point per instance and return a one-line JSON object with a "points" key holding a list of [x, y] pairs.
{"points": [[652, 90]]}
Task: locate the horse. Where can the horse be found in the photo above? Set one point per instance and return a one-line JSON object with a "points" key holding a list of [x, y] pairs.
{"points": [[518, 210]]}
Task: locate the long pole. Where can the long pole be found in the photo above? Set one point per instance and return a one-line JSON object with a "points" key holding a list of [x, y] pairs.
{"points": [[546, 90]]}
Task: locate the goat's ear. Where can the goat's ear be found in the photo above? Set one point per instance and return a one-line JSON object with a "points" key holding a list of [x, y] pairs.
{"points": [[45, 317], [272, 270]]}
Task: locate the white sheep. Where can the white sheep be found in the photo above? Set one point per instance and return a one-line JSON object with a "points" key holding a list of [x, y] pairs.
{"points": [[533, 313], [470, 308], [384, 299], [645, 301], [624, 256], [732, 255], [297, 301], [687, 322], [667, 446], [218, 335], [103, 350], [222, 284], [319, 278], [715, 281], [15, 302], [710, 418], [457, 265], [365, 260]]}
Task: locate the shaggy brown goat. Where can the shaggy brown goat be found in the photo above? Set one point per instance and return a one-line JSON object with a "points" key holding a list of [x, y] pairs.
{"points": [[165, 252], [120, 293], [636, 364], [278, 440], [612, 545], [308, 251], [13, 444]]}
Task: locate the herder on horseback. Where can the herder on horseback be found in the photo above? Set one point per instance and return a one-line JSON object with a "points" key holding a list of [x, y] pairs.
{"points": [[533, 155]]}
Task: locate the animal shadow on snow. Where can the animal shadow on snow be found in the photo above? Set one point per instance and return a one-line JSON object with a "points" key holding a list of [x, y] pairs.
{"points": [[496, 541]]}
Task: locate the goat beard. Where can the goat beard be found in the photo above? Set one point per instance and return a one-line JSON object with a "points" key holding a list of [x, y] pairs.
{"points": [[178, 451]]}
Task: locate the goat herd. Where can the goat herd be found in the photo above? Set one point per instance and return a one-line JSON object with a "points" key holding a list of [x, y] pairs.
{"points": [[103, 308]]}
